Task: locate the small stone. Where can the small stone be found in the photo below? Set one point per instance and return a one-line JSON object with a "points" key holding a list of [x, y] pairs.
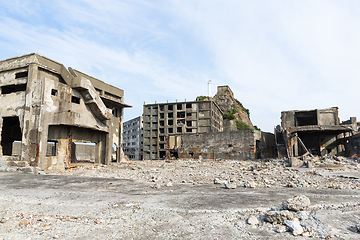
{"points": [[294, 227], [25, 215], [218, 181], [24, 222], [169, 184], [250, 184], [291, 185], [280, 229], [278, 217], [157, 186], [357, 226], [252, 220], [297, 203], [303, 215], [230, 185]]}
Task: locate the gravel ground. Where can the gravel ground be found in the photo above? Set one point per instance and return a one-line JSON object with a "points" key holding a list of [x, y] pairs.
{"points": [[179, 199]]}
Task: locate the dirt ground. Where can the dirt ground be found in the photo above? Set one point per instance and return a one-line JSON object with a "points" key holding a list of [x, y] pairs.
{"points": [[182, 199]]}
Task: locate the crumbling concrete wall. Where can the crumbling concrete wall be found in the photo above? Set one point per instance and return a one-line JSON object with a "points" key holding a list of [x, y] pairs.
{"points": [[249, 144]]}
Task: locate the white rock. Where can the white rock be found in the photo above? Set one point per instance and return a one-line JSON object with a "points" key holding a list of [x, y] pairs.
{"points": [[169, 184], [295, 227], [303, 215], [218, 181], [230, 185], [252, 220]]}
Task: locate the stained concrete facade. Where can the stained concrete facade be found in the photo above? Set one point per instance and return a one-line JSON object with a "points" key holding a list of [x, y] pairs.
{"points": [[234, 145], [42, 103], [132, 143], [314, 132], [162, 119]]}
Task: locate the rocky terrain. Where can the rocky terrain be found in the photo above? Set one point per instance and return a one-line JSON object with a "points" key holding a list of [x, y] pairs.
{"points": [[186, 199]]}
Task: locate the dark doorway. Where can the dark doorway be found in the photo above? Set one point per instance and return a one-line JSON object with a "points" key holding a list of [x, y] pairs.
{"points": [[11, 132]]}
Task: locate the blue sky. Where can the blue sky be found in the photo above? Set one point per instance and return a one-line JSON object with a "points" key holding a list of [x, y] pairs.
{"points": [[275, 55]]}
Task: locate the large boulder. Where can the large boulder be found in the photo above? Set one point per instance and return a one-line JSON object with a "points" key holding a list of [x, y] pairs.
{"points": [[298, 203]]}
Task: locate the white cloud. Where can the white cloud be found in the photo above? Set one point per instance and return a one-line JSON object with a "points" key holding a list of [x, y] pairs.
{"points": [[281, 55]]}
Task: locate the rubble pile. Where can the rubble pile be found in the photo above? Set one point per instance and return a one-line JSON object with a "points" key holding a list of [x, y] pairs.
{"points": [[187, 199], [266, 173]]}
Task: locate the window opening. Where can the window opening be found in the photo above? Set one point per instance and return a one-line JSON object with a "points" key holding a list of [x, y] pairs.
{"points": [[83, 152], [181, 114], [75, 100], [13, 88], [54, 92], [51, 148], [21, 75]]}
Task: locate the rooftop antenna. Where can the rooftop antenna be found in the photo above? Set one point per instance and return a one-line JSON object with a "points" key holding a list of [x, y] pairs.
{"points": [[209, 88]]}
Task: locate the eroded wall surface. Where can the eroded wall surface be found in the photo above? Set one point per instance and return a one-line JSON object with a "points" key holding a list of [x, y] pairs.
{"points": [[239, 145]]}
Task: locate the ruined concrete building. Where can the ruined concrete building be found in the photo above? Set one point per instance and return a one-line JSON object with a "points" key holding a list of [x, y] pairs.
{"points": [[132, 140], [162, 119], [234, 145], [314, 132], [45, 104]]}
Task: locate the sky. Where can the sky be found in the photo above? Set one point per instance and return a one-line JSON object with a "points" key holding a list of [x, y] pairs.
{"points": [[275, 55]]}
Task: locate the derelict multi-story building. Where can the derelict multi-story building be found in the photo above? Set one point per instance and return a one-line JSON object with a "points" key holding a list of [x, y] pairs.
{"points": [[132, 140], [163, 119], [43, 103]]}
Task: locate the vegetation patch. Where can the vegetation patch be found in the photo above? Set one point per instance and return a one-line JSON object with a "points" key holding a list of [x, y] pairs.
{"points": [[245, 109], [240, 125], [201, 98]]}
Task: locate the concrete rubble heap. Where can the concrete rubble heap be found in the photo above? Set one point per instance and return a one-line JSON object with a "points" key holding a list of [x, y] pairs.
{"points": [[192, 195]]}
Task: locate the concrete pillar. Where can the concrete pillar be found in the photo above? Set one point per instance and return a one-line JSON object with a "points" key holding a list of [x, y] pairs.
{"points": [[296, 146], [32, 139], [100, 149], [63, 155]]}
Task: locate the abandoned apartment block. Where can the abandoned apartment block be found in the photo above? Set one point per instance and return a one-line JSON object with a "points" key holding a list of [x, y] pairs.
{"points": [[314, 132], [52, 117], [164, 119], [132, 140]]}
